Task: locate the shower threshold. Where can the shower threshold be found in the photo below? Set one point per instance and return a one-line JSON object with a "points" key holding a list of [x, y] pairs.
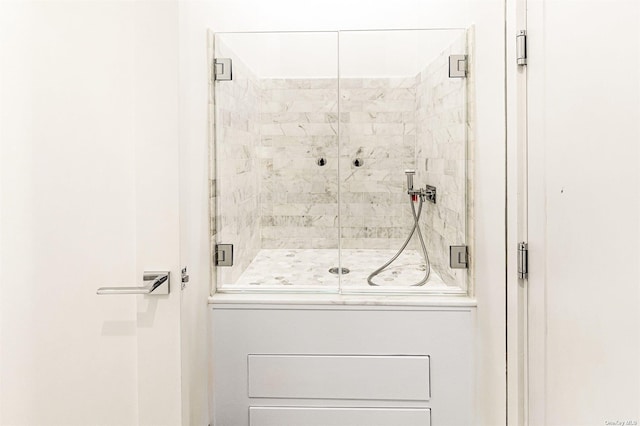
{"points": [[291, 268]]}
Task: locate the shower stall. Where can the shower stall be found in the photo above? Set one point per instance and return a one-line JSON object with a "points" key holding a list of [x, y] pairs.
{"points": [[340, 161]]}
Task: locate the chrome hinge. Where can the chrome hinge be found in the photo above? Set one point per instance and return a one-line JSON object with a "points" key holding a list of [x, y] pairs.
{"points": [[224, 255], [185, 278], [458, 257], [521, 47], [523, 260], [457, 66], [222, 69]]}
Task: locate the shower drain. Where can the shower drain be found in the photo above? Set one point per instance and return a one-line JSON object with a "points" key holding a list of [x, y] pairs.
{"points": [[340, 271]]}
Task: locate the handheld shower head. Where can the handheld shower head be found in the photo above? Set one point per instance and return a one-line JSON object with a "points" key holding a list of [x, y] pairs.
{"points": [[410, 173]]}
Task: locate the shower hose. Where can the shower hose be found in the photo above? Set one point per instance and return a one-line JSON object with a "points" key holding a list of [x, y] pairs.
{"points": [[416, 228]]}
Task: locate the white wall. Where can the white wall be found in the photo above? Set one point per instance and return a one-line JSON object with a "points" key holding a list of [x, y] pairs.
{"points": [[370, 54], [194, 208], [488, 16], [392, 53]]}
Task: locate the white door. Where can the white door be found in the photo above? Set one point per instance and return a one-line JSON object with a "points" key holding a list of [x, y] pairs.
{"points": [[89, 198], [583, 141]]}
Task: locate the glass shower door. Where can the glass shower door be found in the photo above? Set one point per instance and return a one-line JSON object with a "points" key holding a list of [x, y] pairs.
{"points": [[403, 160], [275, 161]]}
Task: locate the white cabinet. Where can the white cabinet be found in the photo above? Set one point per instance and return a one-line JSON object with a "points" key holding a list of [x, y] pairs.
{"points": [[308, 365]]}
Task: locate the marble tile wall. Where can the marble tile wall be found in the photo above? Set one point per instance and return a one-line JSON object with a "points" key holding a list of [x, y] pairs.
{"points": [[235, 154], [378, 132], [441, 127], [299, 197]]}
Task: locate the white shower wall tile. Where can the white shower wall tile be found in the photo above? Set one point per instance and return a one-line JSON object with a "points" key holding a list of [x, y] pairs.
{"points": [[366, 190], [237, 133], [299, 117], [377, 122], [441, 131]]}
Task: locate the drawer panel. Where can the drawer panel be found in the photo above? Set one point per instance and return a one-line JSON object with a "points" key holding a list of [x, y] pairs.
{"points": [[315, 416], [401, 378]]}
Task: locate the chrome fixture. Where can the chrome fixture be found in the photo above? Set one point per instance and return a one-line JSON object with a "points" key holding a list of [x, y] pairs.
{"points": [[422, 194], [458, 257], [224, 255], [410, 173], [157, 283], [521, 47], [457, 66], [184, 278], [523, 260], [222, 69], [429, 193]]}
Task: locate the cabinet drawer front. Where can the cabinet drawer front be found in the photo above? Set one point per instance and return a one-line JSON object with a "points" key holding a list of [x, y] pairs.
{"points": [[400, 378], [314, 416]]}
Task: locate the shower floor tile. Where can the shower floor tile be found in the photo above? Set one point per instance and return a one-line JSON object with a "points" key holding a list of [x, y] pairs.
{"points": [[310, 268]]}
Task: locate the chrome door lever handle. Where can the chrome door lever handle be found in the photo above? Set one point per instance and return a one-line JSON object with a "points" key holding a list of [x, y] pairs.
{"points": [[156, 283]]}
